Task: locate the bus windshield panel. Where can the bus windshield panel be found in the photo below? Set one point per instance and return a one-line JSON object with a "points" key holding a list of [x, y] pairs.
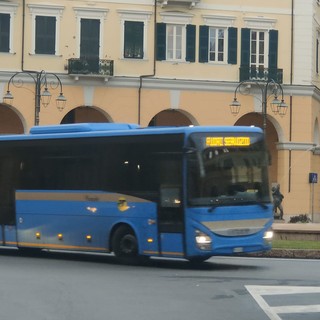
{"points": [[227, 169]]}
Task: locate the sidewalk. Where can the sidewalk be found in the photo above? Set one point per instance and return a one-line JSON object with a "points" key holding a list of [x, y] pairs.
{"points": [[296, 227], [295, 231]]}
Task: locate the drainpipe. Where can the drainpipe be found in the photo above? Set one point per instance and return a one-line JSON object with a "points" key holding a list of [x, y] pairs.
{"points": [[291, 98], [23, 36], [154, 62]]}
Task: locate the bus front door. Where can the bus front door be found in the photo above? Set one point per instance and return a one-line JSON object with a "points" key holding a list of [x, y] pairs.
{"points": [[170, 222]]}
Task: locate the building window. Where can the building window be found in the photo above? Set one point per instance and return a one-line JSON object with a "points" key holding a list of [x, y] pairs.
{"points": [[259, 55], [4, 32], [7, 20], [176, 42], [134, 33], [90, 24], [258, 49], [45, 28], [133, 39], [217, 44], [175, 37], [45, 36]]}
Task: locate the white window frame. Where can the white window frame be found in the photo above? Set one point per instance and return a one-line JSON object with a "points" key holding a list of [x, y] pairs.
{"points": [[11, 9], [225, 42], [219, 22], [261, 24], [48, 11], [266, 48], [177, 45], [91, 13], [137, 16], [176, 19]]}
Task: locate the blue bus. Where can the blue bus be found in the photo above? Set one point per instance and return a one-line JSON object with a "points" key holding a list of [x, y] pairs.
{"points": [[181, 192]]}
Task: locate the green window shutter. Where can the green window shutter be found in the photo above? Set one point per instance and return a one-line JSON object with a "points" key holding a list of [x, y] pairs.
{"points": [[232, 45], [161, 41], [45, 35], [133, 39], [273, 48], [245, 47], [90, 38], [4, 32], [203, 43], [273, 55], [90, 44], [245, 54], [191, 43]]}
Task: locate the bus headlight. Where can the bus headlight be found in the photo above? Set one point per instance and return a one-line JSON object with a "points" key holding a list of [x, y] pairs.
{"points": [[268, 235], [203, 241]]}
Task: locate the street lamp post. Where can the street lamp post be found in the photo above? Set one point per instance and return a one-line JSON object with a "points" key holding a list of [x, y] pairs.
{"points": [[267, 88], [41, 82]]}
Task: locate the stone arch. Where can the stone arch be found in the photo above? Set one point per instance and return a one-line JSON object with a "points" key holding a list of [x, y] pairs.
{"points": [[85, 114], [272, 138], [11, 120], [173, 117]]}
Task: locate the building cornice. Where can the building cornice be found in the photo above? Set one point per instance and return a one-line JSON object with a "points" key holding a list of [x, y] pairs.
{"points": [[297, 146]]}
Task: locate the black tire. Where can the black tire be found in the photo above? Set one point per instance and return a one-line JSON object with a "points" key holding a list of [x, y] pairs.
{"points": [[124, 243]]}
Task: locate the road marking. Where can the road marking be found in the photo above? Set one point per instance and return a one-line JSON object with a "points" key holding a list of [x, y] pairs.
{"points": [[257, 292]]}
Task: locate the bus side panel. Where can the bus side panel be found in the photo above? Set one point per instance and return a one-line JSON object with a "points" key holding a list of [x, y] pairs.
{"points": [[59, 227], [172, 245], [45, 220], [10, 236]]}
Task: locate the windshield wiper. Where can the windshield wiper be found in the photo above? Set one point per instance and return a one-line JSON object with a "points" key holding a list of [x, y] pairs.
{"points": [[237, 201]]}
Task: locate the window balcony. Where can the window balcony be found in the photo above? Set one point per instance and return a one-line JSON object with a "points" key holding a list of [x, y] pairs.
{"points": [[90, 67], [189, 3], [261, 73]]}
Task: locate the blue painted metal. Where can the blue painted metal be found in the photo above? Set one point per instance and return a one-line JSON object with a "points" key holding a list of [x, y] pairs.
{"points": [[197, 219], [172, 245], [75, 220], [44, 215]]}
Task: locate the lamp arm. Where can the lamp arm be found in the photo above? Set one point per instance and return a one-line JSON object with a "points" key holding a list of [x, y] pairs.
{"points": [[58, 79], [282, 95], [19, 73]]}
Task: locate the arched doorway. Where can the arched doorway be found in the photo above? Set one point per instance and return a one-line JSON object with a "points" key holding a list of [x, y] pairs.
{"points": [[256, 119], [10, 123], [170, 117], [84, 114]]}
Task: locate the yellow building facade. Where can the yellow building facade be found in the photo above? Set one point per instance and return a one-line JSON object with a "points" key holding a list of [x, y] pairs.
{"points": [[172, 62]]}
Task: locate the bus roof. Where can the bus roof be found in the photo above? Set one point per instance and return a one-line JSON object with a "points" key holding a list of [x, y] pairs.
{"points": [[81, 130]]}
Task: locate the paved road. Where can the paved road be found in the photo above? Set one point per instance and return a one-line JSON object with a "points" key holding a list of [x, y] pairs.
{"points": [[77, 287]]}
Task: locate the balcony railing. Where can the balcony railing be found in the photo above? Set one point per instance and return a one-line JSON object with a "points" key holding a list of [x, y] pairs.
{"points": [[261, 73], [90, 66]]}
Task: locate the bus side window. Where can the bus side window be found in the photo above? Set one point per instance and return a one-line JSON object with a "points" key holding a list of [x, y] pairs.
{"points": [[170, 196]]}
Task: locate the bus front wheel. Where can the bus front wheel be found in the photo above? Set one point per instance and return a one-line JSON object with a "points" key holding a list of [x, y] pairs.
{"points": [[124, 243]]}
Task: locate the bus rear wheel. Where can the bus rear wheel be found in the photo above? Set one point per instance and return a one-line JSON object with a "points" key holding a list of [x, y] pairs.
{"points": [[124, 243]]}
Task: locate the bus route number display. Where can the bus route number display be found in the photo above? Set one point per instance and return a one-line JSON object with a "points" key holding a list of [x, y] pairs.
{"points": [[227, 141]]}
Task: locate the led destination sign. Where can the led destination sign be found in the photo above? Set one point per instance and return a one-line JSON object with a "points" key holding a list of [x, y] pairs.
{"points": [[227, 141]]}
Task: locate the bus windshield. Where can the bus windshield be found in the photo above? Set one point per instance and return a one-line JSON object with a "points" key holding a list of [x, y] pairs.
{"points": [[227, 169]]}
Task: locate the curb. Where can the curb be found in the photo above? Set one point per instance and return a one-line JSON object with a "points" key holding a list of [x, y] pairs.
{"points": [[289, 253]]}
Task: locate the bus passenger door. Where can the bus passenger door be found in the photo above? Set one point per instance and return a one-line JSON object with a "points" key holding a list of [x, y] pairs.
{"points": [[170, 222]]}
